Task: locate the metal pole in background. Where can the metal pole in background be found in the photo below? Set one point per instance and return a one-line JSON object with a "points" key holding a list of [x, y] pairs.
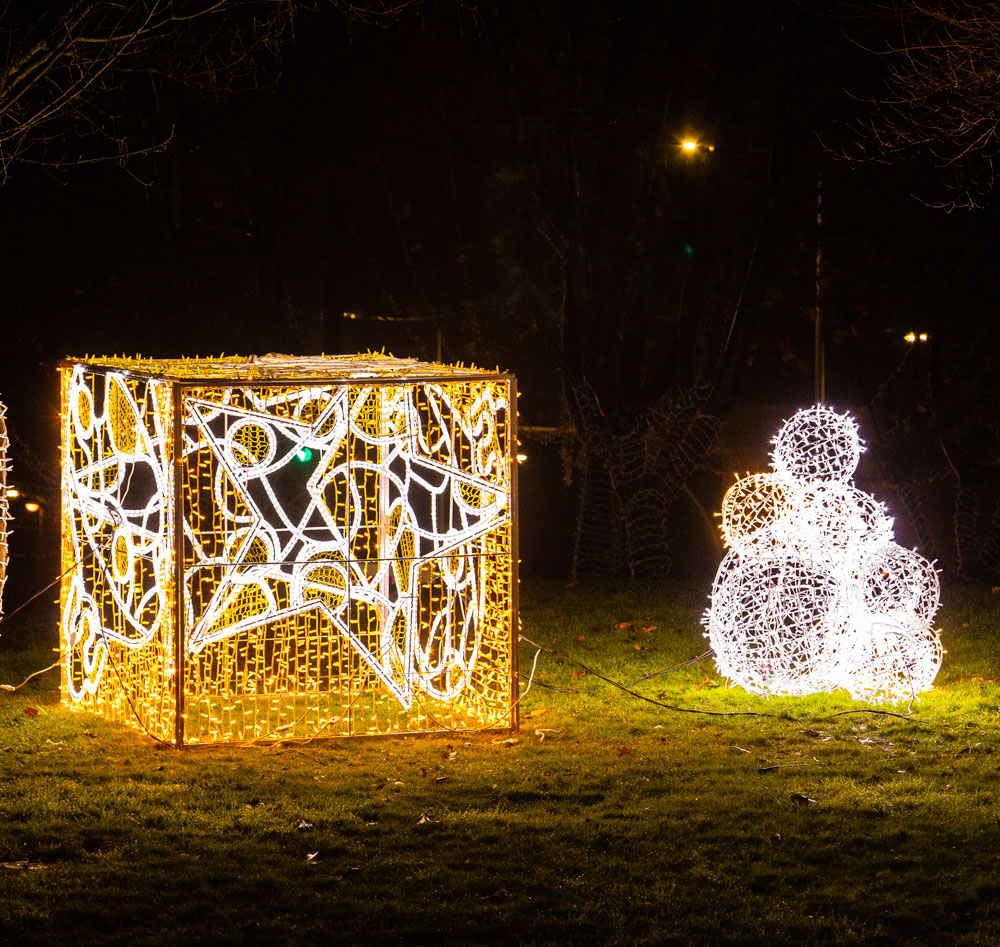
{"points": [[819, 353]]}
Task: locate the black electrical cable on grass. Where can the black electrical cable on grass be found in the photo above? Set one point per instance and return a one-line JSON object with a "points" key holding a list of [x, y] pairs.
{"points": [[648, 700], [688, 710], [677, 667], [556, 687]]}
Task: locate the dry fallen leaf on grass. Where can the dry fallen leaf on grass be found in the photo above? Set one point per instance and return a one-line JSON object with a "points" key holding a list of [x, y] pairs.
{"points": [[801, 800], [424, 818], [625, 626], [510, 741], [311, 857]]}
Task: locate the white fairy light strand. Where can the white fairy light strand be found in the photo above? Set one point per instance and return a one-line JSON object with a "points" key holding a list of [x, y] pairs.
{"points": [[814, 593]]}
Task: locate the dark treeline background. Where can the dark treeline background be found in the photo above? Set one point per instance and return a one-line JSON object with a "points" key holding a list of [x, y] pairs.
{"points": [[503, 183]]}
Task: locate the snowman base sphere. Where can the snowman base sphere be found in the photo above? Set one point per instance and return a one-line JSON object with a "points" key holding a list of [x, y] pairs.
{"points": [[769, 621]]}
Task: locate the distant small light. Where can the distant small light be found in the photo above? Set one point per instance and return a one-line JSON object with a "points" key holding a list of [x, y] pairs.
{"points": [[521, 458], [13, 492], [923, 336], [31, 506], [910, 337], [350, 315], [303, 454], [689, 145]]}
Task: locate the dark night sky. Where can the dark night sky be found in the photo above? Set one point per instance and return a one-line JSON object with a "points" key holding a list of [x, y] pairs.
{"points": [[383, 174]]}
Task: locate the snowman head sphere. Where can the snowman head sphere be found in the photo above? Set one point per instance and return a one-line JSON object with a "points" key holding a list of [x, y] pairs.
{"points": [[817, 443]]}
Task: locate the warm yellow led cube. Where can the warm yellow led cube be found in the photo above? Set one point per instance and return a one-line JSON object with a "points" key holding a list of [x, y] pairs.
{"points": [[282, 548]]}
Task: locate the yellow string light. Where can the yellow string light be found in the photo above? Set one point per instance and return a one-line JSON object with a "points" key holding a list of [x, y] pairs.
{"points": [[286, 547]]}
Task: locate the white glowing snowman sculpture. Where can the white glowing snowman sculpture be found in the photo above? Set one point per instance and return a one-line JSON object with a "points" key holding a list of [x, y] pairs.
{"points": [[814, 594]]}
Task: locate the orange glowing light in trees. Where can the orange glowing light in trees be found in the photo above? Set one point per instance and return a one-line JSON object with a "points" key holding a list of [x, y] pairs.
{"points": [[691, 146], [288, 547]]}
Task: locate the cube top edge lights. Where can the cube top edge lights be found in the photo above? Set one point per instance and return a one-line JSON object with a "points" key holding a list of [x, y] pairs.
{"points": [[814, 594], [258, 369], [288, 547]]}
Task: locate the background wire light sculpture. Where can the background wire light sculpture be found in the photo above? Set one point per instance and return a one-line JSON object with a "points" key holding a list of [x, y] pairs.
{"points": [[288, 547], [4, 502], [814, 594]]}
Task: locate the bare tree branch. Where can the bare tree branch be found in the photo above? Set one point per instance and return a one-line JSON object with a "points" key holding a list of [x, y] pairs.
{"points": [[941, 93], [63, 73]]}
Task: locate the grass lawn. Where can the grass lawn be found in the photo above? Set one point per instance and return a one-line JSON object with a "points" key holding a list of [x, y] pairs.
{"points": [[605, 820]]}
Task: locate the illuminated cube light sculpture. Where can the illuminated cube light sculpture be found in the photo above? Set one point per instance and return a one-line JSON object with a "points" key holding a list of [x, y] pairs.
{"points": [[288, 547], [814, 594]]}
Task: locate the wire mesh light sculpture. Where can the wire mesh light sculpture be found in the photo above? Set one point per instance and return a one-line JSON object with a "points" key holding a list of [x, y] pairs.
{"points": [[288, 547], [814, 594], [4, 501]]}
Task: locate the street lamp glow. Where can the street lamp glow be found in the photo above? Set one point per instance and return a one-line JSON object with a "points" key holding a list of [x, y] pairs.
{"points": [[689, 145]]}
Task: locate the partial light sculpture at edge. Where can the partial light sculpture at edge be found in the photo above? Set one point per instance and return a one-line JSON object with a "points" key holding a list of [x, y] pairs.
{"points": [[285, 547], [814, 594], [4, 502]]}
